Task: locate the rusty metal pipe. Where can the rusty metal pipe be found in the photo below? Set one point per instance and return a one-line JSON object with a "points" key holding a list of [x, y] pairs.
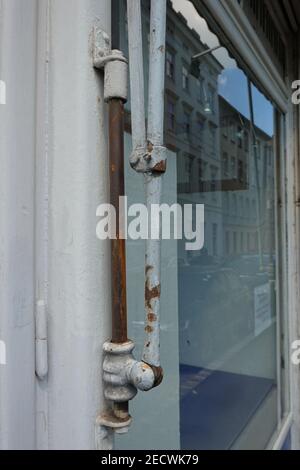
{"points": [[118, 250], [117, 189], [153, 179]]}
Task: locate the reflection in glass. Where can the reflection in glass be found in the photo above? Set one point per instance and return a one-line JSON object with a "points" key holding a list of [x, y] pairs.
{"points": [[227, 290], [220, 139]]}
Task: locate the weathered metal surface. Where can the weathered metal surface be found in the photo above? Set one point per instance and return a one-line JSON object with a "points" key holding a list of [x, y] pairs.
{"points": [[117, 189], [123, 374], [149, 154], [114, 64], [151, 158], [153, 180]]}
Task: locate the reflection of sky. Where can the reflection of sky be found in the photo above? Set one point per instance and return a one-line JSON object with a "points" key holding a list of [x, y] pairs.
{"points": [[232, 82], [233, 87]]}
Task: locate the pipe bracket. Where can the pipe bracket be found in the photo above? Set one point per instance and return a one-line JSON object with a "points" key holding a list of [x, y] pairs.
{"points": [[114, 64], [150, 159]]}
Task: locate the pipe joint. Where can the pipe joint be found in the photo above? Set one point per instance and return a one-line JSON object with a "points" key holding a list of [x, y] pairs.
{"points": [[149, 159], [123, 375]]}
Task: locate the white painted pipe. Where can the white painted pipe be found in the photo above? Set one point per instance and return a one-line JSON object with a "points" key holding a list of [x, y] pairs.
{"points": [[156, 89], [153, 181], [135, 42], [150, 146]]}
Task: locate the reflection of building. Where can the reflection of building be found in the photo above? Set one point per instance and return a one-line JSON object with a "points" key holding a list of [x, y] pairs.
{"points": [[212, 141], [192, 119], [247, 196], [191, 116]]}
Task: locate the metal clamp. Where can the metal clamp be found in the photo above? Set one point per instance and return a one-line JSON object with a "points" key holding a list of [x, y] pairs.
{"points": [[151, 159], [114, 64]]}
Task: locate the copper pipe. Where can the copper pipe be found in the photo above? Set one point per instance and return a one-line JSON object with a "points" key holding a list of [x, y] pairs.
{"points": [[118, 250], [117, 188]]}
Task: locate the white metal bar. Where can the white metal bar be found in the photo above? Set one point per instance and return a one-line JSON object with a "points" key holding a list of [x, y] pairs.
{"points": [[157, 72], [135, 41], [153, 181]]}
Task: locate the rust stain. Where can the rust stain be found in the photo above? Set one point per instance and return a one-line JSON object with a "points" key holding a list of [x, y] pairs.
{"points": [[160, 167], [151, 317], [113, 167], [148, 329], [158, 374], [150, 294]]}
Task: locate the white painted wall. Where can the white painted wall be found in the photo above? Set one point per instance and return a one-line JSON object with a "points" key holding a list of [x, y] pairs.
{"points": [[53, 161], [17, 167], [79, 290]]}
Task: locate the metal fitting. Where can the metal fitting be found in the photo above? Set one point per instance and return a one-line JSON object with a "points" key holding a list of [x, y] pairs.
{"points": [[152, 159], [114, 64], [122, 374]]}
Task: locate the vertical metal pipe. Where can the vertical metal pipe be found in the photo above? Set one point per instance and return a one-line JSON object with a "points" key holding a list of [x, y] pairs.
{"points": [[153, 181], [118, 257], [137, 97], [118, 253]]}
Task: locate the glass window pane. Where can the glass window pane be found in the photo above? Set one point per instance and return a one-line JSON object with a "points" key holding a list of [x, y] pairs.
{"points": [[218, 316]]}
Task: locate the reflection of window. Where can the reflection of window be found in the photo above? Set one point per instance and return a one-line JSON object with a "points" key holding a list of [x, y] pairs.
{"points": [[213, 178], [233, 167], [170, 65], [239, 136], [212, 137], [225, 164], [211, 98], [200, 127], [242, 242], [186, 124], [224, 125], [171, 115], [201, 174], [246, 141], [240, 171], [185, 78], [232, 131], [227, 243], [200, 85]]}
